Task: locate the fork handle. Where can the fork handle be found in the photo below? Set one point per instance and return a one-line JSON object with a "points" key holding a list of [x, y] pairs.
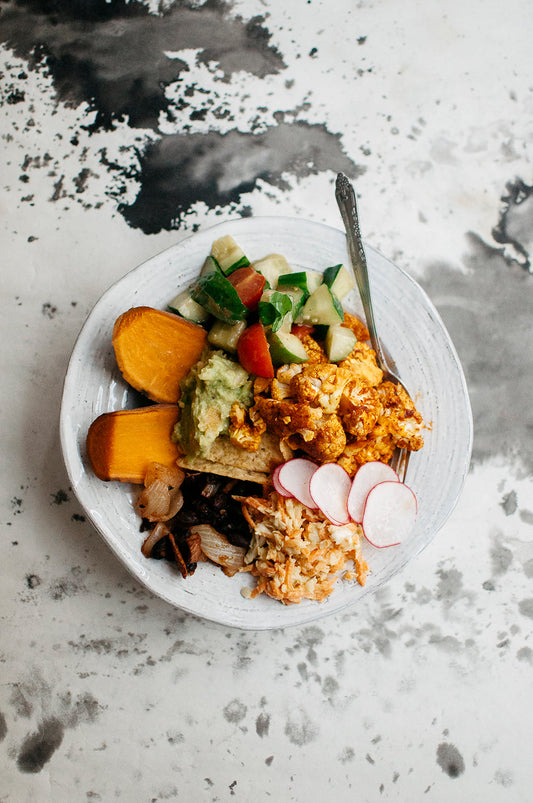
{"points": [[345, 195]]}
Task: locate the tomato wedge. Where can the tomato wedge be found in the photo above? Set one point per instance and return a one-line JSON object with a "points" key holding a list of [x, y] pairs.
{"points": [[253, 351], [302, 329], [249, 285]]}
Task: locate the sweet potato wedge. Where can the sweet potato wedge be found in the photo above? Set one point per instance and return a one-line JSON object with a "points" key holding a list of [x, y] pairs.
{"points": [[155, 350], [120, 445]]}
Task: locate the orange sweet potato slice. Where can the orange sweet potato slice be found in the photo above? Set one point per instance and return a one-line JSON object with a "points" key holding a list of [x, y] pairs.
{"points": [[122, 444], [155, 350]]}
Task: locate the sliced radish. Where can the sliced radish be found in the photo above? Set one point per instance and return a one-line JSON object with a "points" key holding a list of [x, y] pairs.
{"points": [[329, 487], [390, 514], [277, 484], [294, 476], [367, 476]]}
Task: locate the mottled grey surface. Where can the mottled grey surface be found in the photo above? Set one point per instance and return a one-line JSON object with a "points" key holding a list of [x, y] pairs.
{"points": [[127, 126]]}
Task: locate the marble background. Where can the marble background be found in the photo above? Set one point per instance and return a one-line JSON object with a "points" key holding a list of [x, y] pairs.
{"points": [[126, 126]]}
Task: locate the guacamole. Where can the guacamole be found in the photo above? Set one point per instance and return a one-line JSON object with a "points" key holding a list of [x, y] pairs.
{"points": [[207, 394]]}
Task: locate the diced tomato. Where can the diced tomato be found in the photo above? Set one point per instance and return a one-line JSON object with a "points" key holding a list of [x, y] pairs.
{"points": [[249, 285], [253, 351], [302, 329]]}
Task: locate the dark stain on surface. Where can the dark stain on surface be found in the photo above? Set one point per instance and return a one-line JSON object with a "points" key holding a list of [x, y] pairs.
{"points": [[516, 221], [3, 727], [49, 310], [498, 361], [525, 606], [84, 708], [59, 497], [262, 724], [21, 702], [302, 731], [180, 170], [114, 56], [39, 747], [65, 587], [501, 559], [509, 503], [234, 711], [17, 505], [33, 580], [450, 760]]}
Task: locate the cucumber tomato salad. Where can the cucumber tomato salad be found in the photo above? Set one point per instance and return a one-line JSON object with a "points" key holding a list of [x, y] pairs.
{"points": [[255, 311]]}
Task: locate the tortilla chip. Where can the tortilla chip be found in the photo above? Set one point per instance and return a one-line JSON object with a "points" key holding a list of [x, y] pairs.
{"points": [[229, 460]]}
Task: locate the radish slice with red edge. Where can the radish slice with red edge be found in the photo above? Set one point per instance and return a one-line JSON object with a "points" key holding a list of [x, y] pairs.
{"points": [[390, 514], [329, 487], [294, 476], [368, 475], [277, 484]]}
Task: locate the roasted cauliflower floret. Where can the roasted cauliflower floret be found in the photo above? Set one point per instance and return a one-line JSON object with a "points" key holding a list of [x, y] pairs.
{"points": [[286, 418], [398, 425], [359, 409], [242, 431], [320, 384], [362, 363], [400, 417], [315, 352], [285, 373], [327, 443]]}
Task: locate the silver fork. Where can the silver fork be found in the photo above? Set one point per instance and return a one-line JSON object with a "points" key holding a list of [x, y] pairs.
{"points": [[345, 195]]}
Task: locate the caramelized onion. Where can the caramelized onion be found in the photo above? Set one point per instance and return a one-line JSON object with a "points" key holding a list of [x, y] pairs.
{"points": [[159, 532], [161, 498], [217, 548]]}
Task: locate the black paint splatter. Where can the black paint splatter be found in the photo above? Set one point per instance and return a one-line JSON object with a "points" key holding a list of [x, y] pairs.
{"points": [[3, 727], [509, 503], [16, 505], [16, 96], [38, 748], [33, 580], [450, 760], [49, 310], [114, 55], [302, 731], [60, 497], [516, 220], [262, 724], [234, 711], [182, 169]]}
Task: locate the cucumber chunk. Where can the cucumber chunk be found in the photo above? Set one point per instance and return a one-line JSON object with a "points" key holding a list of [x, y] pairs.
{"points": [[339, 280], [306, 280], [184, 305], [271, 267], [298, 298], [226, 335], [340, 342], [215, 293], [322, 307], [228, 254], [210, 266], [286, 348]]}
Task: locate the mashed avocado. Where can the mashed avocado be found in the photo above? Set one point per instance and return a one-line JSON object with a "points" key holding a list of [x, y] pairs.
{"points": [[207, 394]]}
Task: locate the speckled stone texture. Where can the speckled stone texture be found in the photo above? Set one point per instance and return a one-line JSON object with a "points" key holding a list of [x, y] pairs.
{"points": [[127, 126]]}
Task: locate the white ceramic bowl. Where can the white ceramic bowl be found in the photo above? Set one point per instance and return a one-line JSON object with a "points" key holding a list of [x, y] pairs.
{"points": [[411, 331]]}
